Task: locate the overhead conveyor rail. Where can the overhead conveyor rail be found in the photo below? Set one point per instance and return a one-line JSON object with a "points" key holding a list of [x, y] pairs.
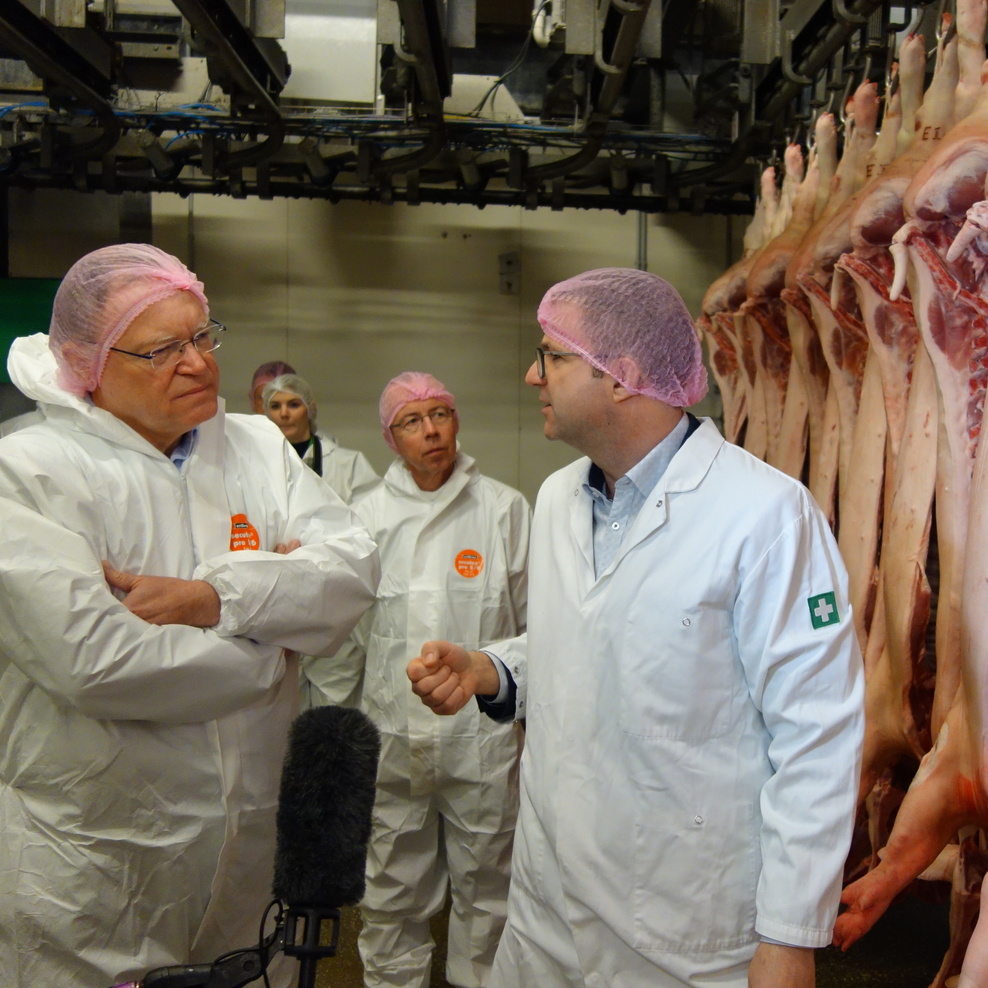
{"points": [[618, 104]]}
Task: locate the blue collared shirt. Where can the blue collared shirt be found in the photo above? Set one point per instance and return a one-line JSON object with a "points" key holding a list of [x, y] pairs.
{"points": [[612, 517], [184, 448]]}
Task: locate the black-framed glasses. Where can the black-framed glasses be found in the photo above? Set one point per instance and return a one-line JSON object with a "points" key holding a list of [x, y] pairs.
{"points": [[541, 353], [413, 424], [206, 340]]}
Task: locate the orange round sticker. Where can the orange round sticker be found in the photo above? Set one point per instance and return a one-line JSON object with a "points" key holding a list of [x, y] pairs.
{"points": [[243, 535], [468, 563]]}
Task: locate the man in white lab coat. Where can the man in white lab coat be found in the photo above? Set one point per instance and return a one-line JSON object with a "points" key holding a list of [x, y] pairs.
{"points": [[157, 558], [454, 549], [691, 681]]}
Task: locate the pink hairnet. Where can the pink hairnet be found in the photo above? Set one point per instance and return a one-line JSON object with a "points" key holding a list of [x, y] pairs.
{"points": [[614, 315], [268, 372], [406, 387], [102, 294]]}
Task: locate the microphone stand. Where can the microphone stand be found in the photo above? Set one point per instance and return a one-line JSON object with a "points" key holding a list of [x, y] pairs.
{"points": [[307, 921], [297, 933]]}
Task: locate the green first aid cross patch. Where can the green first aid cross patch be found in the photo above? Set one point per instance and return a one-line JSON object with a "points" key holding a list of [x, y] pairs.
{"points": [[823, 610]]}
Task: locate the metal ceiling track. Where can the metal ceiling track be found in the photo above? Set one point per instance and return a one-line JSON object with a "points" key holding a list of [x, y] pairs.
{"points": [[755, 73]]}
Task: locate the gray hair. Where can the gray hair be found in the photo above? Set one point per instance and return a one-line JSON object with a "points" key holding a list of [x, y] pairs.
{"points": [[294, 385]]}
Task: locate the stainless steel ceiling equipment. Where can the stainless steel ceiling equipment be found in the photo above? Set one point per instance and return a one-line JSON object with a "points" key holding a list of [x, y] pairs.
{"points": [[654, 106]]}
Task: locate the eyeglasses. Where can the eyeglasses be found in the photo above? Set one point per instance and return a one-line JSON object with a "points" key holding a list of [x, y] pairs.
{"points": [[206, 340], [413, 424], [541, 353]]}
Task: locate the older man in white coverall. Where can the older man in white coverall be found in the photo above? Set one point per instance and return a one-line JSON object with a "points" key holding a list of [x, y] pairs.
{"points": [[691, 680], [454, 548], [156, 560]]}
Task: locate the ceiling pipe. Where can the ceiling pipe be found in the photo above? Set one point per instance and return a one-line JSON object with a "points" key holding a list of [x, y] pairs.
{"points": [[53, 59], [614, 68], [249, 71], [413, 193], [424, 49]]}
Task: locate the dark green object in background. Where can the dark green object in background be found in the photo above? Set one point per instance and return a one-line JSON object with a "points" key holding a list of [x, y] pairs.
{"points": [[25, 308]]}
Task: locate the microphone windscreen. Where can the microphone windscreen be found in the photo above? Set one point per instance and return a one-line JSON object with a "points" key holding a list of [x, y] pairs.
{"points": [[324, 808]]}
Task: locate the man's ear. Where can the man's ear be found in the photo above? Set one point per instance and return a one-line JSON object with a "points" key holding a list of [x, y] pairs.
{"points": [[312, 413], [627, 370]]}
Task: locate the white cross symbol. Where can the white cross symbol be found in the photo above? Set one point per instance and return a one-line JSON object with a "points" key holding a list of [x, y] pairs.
{"points": [[823, 611]]}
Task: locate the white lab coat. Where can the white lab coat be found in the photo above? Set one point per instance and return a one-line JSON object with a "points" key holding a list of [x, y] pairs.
{"points": [[347, 471], [693, 743], [454, 565], [139, 765]]}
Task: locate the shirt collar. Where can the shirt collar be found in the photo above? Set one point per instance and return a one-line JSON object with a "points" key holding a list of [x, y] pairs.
{"points": [[647, 472], [184, 448]]}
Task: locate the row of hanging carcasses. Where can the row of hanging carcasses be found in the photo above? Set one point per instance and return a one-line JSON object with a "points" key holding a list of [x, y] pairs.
{"points": [[850, 346]]}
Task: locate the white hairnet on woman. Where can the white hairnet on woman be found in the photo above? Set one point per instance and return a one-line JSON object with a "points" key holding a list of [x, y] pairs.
{"points": [[613, 317], [158, 559], [100, 296], [347, 471], [292, 384]]}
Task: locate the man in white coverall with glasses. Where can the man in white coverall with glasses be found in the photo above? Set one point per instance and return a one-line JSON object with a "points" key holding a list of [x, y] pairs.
{"points": [[157, 558], [454, 549], [691, 682]]}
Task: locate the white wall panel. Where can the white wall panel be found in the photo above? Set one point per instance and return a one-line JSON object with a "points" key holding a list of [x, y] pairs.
{"points": [[354, 293]]}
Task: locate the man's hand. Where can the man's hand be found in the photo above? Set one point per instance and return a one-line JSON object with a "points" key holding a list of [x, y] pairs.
{"points": [[166, 599], [778, 966], [446, 676], [284, 548]]}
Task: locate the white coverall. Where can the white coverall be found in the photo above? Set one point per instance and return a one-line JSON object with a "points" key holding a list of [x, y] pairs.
{"points": [[139, 765], [350, 475], [347, 471], [453, 566], [692, 740]]}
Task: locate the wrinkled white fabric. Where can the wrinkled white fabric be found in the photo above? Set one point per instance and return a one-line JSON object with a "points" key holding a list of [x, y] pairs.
{"points": [[139, 765], [453, 566], [350, 475], [693, 743], [347, 471]]}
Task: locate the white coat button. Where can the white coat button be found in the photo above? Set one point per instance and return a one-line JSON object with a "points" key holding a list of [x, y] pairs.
{"points": [[616, 526], [658, 504], [686, 622], [698, 820]]}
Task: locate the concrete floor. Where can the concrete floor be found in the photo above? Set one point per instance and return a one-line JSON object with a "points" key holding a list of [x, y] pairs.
{"points": [[904, 950]]}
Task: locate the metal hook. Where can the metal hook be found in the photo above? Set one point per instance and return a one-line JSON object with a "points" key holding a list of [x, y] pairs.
{"points": [[947, 36], [846, 96], [787, 69], [917, 19], [940, 32], [842, 13], [892, 86]]}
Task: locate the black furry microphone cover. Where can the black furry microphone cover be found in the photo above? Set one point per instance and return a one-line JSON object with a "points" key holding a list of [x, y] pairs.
{"points": [[324, 808]]}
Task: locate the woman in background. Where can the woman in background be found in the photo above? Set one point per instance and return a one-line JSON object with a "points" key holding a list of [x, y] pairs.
{"points": [[288, 402]]}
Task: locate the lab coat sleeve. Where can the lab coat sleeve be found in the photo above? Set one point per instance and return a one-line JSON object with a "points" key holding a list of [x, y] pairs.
{"points": [[64, 630], [513, 654], [310, 599], [808, 684]]}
